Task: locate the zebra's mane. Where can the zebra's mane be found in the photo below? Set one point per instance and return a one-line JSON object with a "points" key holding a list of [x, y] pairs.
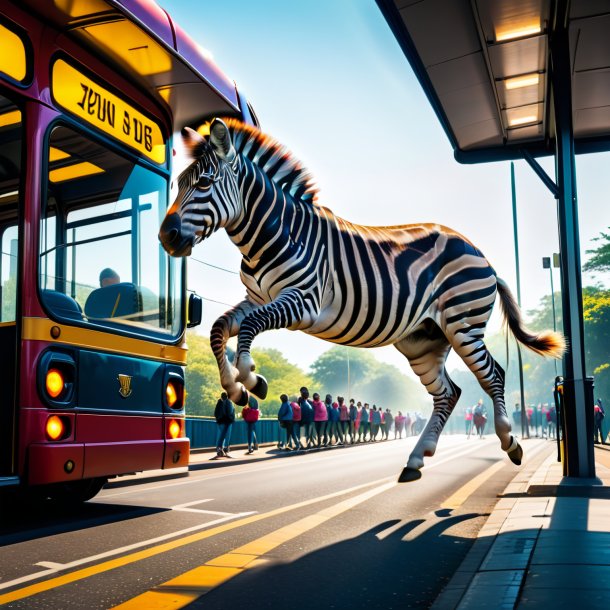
{"points": [[274, 159]]}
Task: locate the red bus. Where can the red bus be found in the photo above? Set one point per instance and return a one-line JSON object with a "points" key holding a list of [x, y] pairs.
{"points": [[92, 310]]}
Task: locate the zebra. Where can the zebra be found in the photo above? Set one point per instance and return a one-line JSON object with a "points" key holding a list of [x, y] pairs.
{"points": [[423, 288]]}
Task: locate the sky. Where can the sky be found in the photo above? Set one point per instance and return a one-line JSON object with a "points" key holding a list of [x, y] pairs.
{"points": [[328, 80]]}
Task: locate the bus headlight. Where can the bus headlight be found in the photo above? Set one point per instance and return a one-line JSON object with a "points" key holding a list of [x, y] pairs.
{"points": [[57, 428], [174, 393], [54, 383], [174, 428], [57, 379]]}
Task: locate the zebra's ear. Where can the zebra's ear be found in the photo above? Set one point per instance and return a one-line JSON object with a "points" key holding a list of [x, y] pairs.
{"points": [[192, 141], [220, 139]]}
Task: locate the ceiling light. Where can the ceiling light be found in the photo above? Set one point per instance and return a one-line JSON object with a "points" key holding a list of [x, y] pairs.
{"points": [[523, 120], [522, 81], [504, 33]]}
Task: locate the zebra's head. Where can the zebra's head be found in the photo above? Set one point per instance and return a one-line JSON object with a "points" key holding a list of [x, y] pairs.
{"points": [[208, 196]]}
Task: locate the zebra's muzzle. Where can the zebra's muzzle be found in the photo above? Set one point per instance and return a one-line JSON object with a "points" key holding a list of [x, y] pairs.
{"points": [[171, 238]]}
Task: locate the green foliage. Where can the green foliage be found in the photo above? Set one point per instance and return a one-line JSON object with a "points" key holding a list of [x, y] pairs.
{"points": [[370, 380], [201, 378], [282, 376], [600, 261], [203, 384]]}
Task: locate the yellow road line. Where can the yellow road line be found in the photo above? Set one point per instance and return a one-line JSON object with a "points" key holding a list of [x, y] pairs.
{"points": [[105, 566], [463, 493], [190, 586]]}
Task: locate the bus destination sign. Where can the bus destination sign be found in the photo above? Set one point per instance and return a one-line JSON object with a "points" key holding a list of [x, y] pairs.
{"points": [[94, 104]]}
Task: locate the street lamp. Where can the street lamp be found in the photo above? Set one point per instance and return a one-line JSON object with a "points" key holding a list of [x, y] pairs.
{"points": [[546, 264]]}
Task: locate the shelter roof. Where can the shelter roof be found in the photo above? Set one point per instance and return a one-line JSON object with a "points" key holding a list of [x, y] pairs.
{"points": [[485, 67]]}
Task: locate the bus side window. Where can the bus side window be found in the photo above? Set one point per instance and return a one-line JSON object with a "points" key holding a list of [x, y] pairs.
{"points": [[8, 274]]}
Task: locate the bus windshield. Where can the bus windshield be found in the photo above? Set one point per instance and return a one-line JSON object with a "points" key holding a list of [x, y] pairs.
{"points": [[100, 260]]}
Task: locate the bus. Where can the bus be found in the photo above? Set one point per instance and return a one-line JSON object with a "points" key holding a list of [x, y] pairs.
{"points": [[93, 311]]}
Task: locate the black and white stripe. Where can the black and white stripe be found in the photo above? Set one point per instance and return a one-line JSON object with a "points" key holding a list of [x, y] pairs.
{"points": [[423, 287]]}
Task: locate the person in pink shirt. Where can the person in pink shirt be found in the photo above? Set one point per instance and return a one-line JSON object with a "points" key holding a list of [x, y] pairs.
{"points": [[399, 424], [296, 422], [320, 417]]}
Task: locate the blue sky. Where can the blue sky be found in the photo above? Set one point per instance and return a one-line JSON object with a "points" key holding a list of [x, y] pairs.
{"points": [[328, 80]]}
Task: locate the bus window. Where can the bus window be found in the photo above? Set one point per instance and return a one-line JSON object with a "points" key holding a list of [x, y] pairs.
{"points": [[101, 221], [10, 160], [8, 274]]}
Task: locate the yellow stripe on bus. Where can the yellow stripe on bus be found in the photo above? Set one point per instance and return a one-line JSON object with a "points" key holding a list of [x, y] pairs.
{"points": [[39, 329]]}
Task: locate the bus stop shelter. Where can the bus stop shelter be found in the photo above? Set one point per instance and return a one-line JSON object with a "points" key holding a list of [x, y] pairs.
{"points": [[520, 79]]}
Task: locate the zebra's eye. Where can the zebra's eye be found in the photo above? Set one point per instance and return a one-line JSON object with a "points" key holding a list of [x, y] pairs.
{"points": [[204, 182]]}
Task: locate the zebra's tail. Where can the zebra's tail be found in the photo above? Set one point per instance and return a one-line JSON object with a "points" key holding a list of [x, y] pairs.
{"points": [[545, 343]]}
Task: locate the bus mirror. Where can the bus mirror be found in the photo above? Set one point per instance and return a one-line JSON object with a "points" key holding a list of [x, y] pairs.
{"points": [[194, 312]]}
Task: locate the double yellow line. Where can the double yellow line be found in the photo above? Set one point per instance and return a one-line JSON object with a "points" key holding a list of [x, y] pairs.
{"points": [[105, 566]]}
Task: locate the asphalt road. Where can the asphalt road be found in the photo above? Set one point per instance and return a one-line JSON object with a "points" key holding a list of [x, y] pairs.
{"points": [[325, 529]]}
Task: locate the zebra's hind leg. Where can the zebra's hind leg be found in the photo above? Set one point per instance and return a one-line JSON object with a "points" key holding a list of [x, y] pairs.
{"points": [[427, 350], [469, 345]]}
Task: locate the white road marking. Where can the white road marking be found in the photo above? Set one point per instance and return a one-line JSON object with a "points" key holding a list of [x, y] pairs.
{"points": [[186, 507], [50, 564], [130, 547]]}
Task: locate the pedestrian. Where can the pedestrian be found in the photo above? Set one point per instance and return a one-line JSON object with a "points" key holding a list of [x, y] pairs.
{"points": [[353, 416], [479, 418], [468, 421], [408, 424], [320, 418], [334, 423], [343, 418], [375, 421], [328, 403], [296, 420], [250, 414], [364, 427], [306, 416], [399, 424], [387, 422], [284, 416], [551, 416], [517, 416], [598, 420], [224, 413]]}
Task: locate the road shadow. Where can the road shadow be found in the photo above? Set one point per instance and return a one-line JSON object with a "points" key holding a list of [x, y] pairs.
{"points": [[397, 570], [21, 521]]}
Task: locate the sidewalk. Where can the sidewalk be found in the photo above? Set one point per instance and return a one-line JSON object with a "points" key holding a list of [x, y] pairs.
{"points": [[545, 545]]}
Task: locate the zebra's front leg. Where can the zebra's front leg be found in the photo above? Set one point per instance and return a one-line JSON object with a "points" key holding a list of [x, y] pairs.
{"points": [[285, 311], [225, 327]]}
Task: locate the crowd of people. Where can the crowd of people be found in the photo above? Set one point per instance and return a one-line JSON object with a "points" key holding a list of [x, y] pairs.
{"points": [[541, 420], [308, 422]]}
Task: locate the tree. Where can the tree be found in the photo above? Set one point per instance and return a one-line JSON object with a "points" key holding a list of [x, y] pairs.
{"points": [[371, 381], [330, 370], [600, 261], [203, 383], [282, 376]]}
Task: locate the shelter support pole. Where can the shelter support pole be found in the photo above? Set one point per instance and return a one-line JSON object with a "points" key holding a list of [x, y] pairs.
{"points": [[525, 431], [579, 457]]}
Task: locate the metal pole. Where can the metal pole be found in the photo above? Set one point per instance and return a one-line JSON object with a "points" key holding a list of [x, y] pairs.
{"points": [[524, 426], [580, 460], [349, 390]]}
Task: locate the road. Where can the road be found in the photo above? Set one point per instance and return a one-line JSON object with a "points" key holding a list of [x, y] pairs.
{"points": [[325, 529]]}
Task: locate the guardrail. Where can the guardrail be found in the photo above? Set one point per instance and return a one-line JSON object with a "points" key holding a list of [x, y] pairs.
{"points": [[202, 432]]}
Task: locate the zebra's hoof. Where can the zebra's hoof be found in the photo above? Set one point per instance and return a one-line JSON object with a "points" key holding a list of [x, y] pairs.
{"points": [[409, 474], [261, 388], [515, 455], [242, 401]]}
